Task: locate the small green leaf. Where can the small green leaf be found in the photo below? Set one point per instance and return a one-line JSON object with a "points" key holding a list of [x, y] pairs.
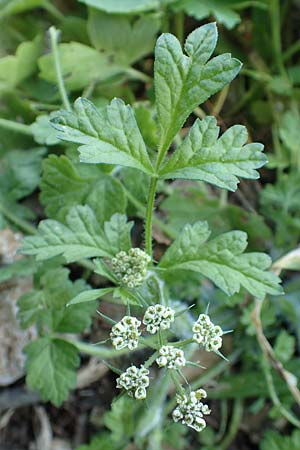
{"points": [[42, 130], [51, 365], [81, 238], [108, 136], [222, 260], [222, 10], [89, 296], [183, 82], [117, 231], [284, 346], [202, 156]]}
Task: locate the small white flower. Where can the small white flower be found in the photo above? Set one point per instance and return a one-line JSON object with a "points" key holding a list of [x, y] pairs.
{"points": [[190, 410], [126, 333], [131, 268], [207, 334], [158, 317], [135, 381], [171, 357]]}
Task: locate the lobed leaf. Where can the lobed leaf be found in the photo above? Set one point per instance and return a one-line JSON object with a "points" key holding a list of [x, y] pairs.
{"points": [[109, 136], [183, 82], [51, 365], [222, 260], [202, 156]]}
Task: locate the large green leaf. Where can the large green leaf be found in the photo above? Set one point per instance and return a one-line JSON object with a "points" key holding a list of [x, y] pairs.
{"points": [[63, 186], [183, 82], [82, 237], [202, 156], [273, 440], [51, 365], [222, 260], [108, 136]]}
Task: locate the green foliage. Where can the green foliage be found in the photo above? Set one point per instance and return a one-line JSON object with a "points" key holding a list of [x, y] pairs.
{"points": [[51, 365], [63, 186], [46, 305], [109, 136], [222, 260], [202, 156], [81, 237], [183, 82], [275, 441], [123, 6]]}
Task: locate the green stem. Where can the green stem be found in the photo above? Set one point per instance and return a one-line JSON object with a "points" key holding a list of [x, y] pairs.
{"points": [[51, 9], [21, 224], [294, 48], [138, 75], [274, 397], [276, 35], [179, 26], [234, 425], [16, 126], [54, 34], [149, 216]]}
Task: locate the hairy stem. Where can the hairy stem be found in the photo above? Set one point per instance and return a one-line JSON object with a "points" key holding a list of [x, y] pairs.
{"points": [[276, 35], [54, 34], [149, 216]]}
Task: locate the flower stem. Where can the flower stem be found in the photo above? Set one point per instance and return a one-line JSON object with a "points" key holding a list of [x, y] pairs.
{"points": [[149, 216], [54, 34]]}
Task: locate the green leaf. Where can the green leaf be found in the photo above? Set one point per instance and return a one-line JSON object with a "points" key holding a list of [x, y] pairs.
{"points": [[46, 305], [51, 365], [123, 6], [21, 268], [109, 136], [42, 130], [80, 65], [89, 296], [103, 441], [16, 68], [126, 40], [20, 172], [117, 231], [81, 238], [222, 260], [222, 10], [284, 346], [273, 440], [63, 186], [202, 156], [183, 82]]}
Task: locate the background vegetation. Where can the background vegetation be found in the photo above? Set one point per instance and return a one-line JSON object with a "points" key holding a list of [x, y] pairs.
{"points": [[101, 49]]}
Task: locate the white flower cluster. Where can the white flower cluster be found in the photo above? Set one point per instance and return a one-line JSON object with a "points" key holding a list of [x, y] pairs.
{"points": [[158, 317], [135, 381], [171, 357], [190, 410], [126, 333], [131, 267], [207, 334]]}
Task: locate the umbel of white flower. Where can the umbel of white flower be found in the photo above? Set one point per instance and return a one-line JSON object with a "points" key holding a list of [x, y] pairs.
{"points": [[190, 409], [131, 268], [171, 357], [126, 333], [135, 381], [207, 334], [158, 317]]}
